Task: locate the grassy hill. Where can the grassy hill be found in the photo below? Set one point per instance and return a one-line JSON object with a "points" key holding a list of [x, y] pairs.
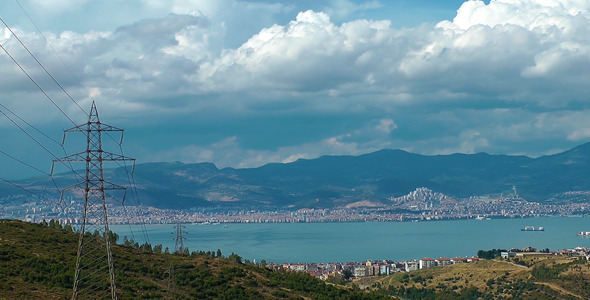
{"points": [[37, 262], [539, 277]]}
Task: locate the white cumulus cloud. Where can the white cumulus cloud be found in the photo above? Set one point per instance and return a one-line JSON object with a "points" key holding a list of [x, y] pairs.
{"points": [[509, 74], [579, 134], [310, 53], [386, 125]]}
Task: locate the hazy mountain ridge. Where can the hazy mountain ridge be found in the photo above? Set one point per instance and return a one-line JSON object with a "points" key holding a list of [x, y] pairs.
{"points": [[335, 181]]}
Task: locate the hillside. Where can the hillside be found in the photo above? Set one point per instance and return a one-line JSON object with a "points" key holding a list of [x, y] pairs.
{"points": [[544, 277], [336, 181], [37, 262]]}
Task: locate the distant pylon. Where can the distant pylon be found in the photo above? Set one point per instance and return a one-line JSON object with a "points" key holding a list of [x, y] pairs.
{"points": [[95, 275], [179, 248]]}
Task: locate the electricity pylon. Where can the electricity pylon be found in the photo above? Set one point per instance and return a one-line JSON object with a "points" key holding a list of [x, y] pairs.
{"points": [[95, 275], [179, 247]]}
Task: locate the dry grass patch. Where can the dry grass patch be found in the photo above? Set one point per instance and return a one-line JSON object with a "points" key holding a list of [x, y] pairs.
{"points": [[456, 277]]}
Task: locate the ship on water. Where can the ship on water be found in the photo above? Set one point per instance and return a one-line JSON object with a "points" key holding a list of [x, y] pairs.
{"points": [[532, 228], [584, 233]]}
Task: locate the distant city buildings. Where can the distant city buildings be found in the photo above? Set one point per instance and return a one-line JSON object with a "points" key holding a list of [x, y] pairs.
{"points": [[388, 267], [369, 267], [421, 205]]}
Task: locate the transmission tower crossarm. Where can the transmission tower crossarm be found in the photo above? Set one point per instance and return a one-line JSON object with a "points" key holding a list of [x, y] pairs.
{"points": [[83, 156], [84, 127], [106, 186], [95, 214]]}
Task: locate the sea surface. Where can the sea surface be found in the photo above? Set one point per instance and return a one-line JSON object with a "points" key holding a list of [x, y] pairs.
{"points": [[344, 242]]}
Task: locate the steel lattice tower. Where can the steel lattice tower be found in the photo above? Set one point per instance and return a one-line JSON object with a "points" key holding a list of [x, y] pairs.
{"points": [[95, 275], [179, 247]]}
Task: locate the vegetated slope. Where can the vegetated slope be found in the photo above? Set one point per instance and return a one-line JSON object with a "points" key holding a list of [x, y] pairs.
{"points": [[37, 262], [389, 173], [547, 277], [335, 181], [552, 174]]}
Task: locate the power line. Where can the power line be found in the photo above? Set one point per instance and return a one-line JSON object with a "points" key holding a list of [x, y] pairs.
{"points": [[130, 176], [24, 189], [32, 167], [40, 64], [135, 196], [35, 128], [48, 73], [56, 54], [94, 248], [36, 84], [45, 135], [24, 163], [38, 143]]}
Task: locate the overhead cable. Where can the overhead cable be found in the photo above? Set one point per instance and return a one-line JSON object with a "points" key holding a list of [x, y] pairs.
{"points": [[41, 65]]}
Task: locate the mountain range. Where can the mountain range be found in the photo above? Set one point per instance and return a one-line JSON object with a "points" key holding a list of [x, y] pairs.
{"points": [[336, 181]]}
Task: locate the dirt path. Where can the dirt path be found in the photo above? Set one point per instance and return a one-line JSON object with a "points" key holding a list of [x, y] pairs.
{"points": [[560, 289]]}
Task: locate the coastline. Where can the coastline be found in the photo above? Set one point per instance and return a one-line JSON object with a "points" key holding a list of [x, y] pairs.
{"points": [[360, 241]]}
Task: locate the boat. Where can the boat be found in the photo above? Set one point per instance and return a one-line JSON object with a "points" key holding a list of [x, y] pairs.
{"points": [[532, 228], [584, 233]]}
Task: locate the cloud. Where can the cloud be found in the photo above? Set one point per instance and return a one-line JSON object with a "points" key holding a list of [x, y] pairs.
{"points": [[386, 125], [486, 48], [530, 14], [579, 134], [5, 34], [472, 140], [489, 47], [244, 83], [309, 54], [230, 152]]}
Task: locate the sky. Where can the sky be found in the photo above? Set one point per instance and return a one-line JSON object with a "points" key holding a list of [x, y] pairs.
{"points": [[245, 83]]}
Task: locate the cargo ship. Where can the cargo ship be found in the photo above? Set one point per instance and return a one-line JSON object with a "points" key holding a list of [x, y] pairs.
{"points": [[532, 228], [584, 233]]}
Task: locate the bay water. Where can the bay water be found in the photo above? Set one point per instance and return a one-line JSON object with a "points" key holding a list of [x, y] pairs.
{"points": [[344, 242]]}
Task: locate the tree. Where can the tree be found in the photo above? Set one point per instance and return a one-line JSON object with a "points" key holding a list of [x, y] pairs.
{"points": [[55, 224], [146, 247], [68, 228], [490, 254], [346, 274], [127, 242], [113, 237], [236, 258]]}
